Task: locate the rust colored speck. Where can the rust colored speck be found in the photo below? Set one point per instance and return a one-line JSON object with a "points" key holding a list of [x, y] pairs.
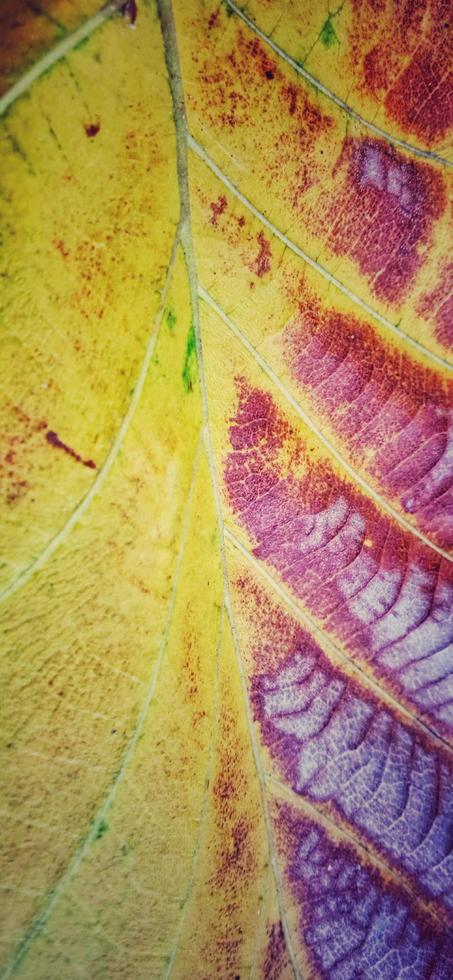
{"points": [[262, 263], [289, 92], [53, 439], [92, 129], [60, 245], [217, 208]]}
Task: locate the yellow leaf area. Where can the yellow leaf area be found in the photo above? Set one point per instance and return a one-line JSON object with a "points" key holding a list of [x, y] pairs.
{"points": [[89, 210], [225, 575]]}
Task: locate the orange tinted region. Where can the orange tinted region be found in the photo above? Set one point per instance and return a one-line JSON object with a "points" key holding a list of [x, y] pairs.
{"points": [[27, 28], [382, 217], [409, 65]]}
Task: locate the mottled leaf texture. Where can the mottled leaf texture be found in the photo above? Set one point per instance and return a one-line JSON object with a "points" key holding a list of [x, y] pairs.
{"points": [[226, 468]]}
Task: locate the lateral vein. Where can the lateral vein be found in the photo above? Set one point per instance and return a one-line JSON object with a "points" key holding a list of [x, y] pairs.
{"points": [[210, 163], [327, 92], [59, 51], [266, 368]]}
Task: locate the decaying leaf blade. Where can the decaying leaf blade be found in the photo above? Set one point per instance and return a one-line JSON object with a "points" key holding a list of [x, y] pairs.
{"points": [[227, 580]]}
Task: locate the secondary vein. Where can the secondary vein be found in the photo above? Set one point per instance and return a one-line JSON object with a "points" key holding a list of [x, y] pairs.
{"points": [[326, 642], [53, 897], [357, 478], [228, 183], [103, 473], [59, 51], [327, 92]]}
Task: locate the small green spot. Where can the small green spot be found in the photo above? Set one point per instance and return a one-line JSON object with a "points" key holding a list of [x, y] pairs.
{"points": [[101, 829], [189, 370], [171, 319], [81, 44], [328, 35], [228, 10]]}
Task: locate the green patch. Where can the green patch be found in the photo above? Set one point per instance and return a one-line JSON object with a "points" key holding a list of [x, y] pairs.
{"points": [[170, 318], [101, 829], [189, 371], [81, 44], [328, 35], [228, 10]]}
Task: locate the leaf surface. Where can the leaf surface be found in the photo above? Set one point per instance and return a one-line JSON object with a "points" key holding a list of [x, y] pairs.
{"points": [[226, 580]]}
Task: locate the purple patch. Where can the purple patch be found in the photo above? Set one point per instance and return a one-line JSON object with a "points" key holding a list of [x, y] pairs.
{"points": [[342, 748], [353, 924]]}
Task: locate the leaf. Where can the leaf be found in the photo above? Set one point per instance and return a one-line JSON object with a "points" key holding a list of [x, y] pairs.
{"points": [[226, 583]]}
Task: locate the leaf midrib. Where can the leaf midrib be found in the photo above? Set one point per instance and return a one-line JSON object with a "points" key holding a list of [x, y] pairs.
{"points": [[85, 30], [182, 144], [59, 51]]}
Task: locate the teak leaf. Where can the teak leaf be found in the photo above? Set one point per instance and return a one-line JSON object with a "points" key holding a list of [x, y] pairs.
{"points": [[225, 582]]}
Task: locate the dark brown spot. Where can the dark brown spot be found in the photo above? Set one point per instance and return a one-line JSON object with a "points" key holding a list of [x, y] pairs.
{"points": [[92, 129], [53, 439]]}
